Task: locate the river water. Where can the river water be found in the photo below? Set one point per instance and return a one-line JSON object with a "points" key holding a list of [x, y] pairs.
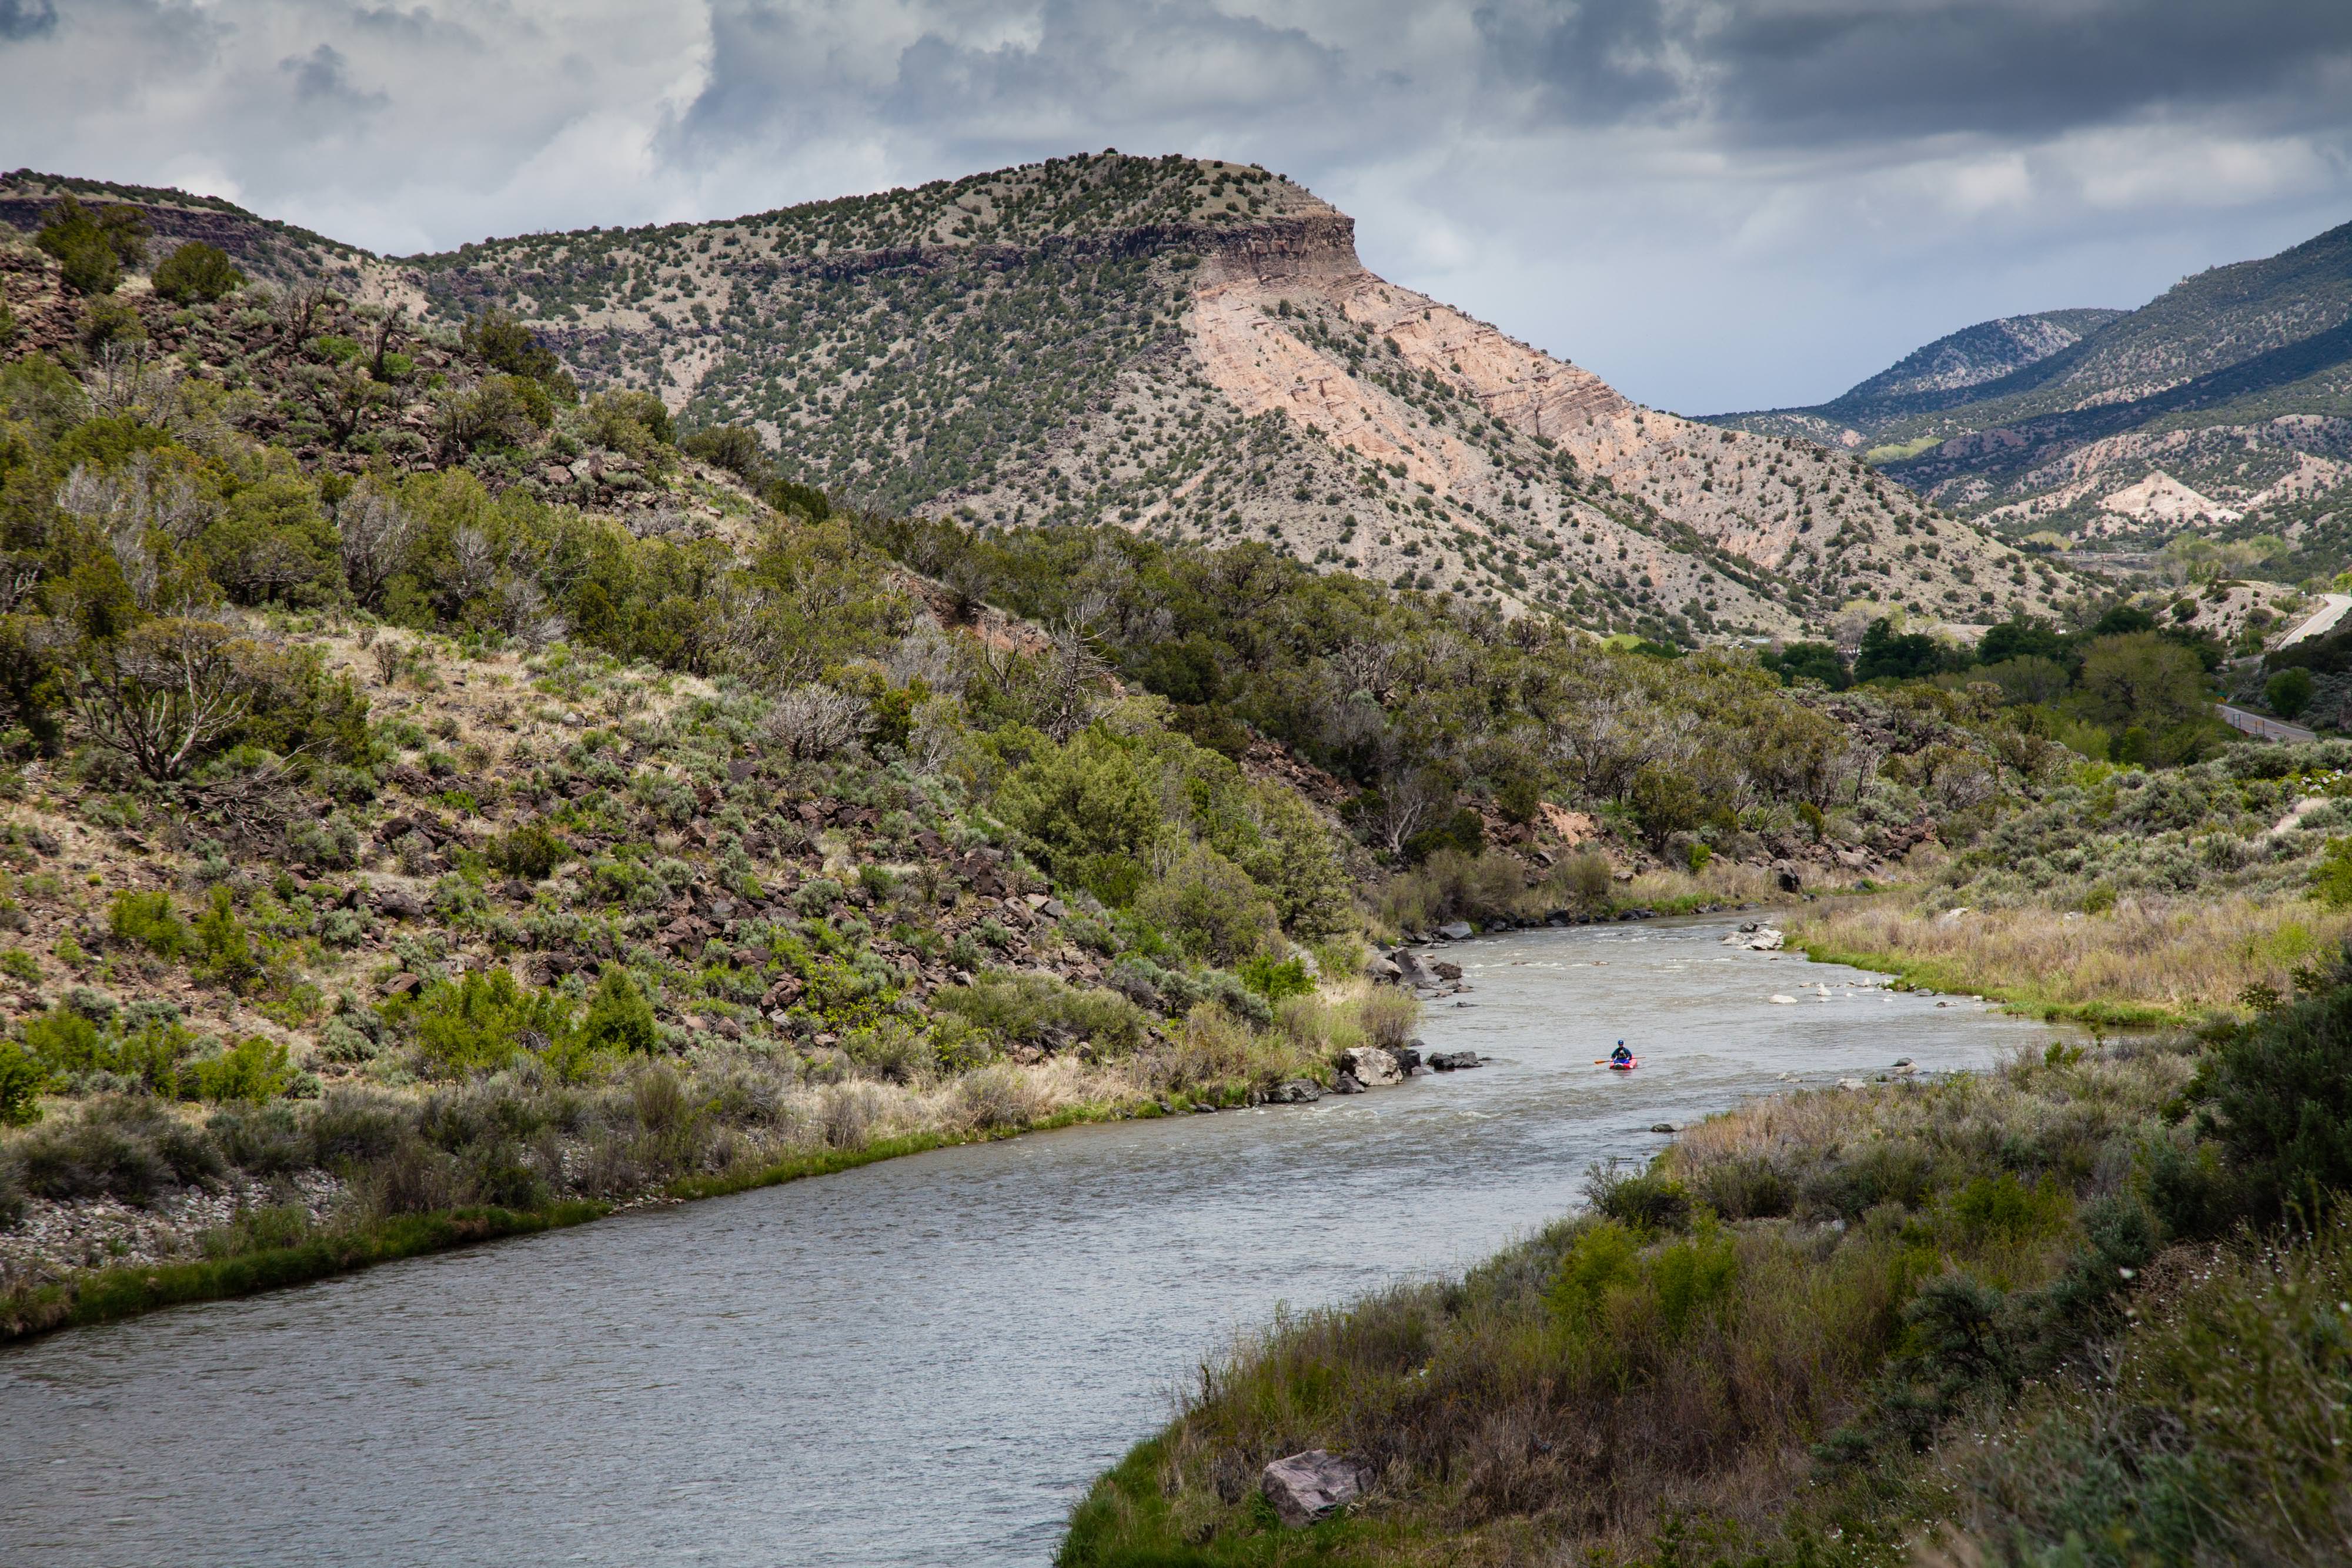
{"points": [[923, 1362]]}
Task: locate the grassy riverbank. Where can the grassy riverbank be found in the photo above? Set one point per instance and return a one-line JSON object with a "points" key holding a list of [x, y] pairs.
{"points": [[108, 1294], [2148, 961], [518, 1153], [1798, 1335]]}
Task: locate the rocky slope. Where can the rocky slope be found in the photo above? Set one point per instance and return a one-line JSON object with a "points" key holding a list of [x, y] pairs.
{"points": [[2231, 394], [1193, 348]]}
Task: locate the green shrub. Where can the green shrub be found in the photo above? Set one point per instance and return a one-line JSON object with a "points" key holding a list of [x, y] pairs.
{"points": [[223, 945], [2206, 1437], [1209, 906], [93, 244], [2278, 1095], [22, 1078], [125, 1148], [1667, 801], [2288, 692], [197, 273], [619, 1016], [20, 966], [342, 1040], [149, 920], [2331, 874], [531, 851], [1603, 1258], [816, 895], [264, 1139], [331, 842], [251, 1072], [350, 1129], [1642, 1200], [479, 1023], [734, 447], [64, 1041], [1463, 832], [1751, 1187], [1275, 978], [1038, 1009], [68, 1042]]}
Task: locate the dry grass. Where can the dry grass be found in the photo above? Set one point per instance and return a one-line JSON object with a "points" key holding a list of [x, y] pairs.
{"points": [[1717, 881], [2146, 961]]}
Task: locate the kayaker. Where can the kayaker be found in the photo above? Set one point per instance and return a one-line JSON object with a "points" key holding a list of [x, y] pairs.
{"points": [[1620, 1056]]}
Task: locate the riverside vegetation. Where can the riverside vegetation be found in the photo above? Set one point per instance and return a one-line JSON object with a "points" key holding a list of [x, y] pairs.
{"points": [[2084, 1309]]}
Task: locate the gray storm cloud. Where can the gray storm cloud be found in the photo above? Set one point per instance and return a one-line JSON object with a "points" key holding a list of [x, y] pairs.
{"points": [[1715, 202]]}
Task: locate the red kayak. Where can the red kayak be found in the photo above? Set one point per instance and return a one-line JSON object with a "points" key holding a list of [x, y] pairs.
{"points": [[1626, 1066]]}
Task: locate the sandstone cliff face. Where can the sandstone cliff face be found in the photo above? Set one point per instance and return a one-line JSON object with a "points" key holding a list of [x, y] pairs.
{"points": [[1521, 452]]}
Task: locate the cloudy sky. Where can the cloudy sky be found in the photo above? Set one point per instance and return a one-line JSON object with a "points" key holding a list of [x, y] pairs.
{"points": [[1715, 204]]}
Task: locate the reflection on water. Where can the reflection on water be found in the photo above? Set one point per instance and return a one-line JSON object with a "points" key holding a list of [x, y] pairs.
{"points": [[921, 1361]]}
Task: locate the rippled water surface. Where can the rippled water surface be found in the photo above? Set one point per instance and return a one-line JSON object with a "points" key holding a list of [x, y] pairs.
{"points": [[921, 1361]]}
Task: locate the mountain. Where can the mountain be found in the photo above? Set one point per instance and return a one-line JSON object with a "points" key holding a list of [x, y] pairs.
{"points": [[2224, 405], [1946, 373], [1192, 348]]}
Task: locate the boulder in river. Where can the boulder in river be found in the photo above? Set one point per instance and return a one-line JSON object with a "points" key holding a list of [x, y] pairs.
{"points": [[1755, 938], [1457, 931], [1369, 1066], [1413, 971], [1454, 1060], [1346, 1084], [1310, 1486], [1296, 1091]]}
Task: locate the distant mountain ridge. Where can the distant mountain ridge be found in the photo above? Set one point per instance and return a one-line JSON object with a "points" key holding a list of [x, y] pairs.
{"points": [[1189, 348], [1950, 371], [2236, 383]]}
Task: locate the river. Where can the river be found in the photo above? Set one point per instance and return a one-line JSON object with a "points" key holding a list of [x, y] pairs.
{"points": [[922, 1362]]}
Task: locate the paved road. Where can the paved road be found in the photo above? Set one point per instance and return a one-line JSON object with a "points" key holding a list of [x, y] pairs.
{"points": [[2260, 724], [2331, 610]]}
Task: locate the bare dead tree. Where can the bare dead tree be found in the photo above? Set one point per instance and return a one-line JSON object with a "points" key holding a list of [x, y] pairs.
{"points": [[388, 329], [375, 531], [477, 561], [1410, 802], [17, 578], [525, 614], [298, 308], [164, 692], [1073, 681], [813, 721], [1366, 666]]}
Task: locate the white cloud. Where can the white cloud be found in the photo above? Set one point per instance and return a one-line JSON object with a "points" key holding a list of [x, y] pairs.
{"points": [[1713, 203]]}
